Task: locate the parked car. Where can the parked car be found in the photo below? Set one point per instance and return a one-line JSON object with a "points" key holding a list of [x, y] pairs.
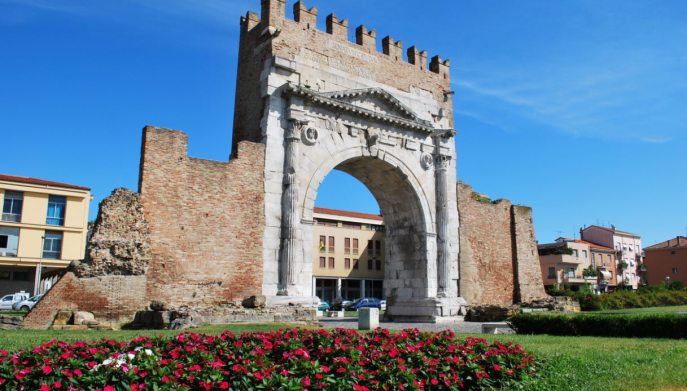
{"points": [[340, 305], [366, 302], [7, 301], [324, 306], [27, 305]]}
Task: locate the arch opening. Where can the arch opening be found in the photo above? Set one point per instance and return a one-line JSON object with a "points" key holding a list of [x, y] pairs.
{"points": [[405, 240]]}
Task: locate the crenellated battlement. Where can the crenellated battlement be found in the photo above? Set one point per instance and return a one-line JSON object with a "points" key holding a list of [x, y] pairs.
{"points": [[273, 14]]}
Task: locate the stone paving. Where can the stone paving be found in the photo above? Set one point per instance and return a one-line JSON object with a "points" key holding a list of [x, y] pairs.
{"points": [[456, 326]]}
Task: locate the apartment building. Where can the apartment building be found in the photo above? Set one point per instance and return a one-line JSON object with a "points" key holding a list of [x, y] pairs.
{"points": [[575, 263], [348, 256], [666, 262], [628, 248], [43, 228]]}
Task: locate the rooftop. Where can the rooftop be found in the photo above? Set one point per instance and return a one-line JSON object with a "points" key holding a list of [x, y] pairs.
{"points": [[677, 242], [613, 230], [40, 182], [345, 213]]}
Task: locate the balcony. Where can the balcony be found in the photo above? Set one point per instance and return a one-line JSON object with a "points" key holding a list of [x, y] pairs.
{"points": [[571, 259], [570, 279]]}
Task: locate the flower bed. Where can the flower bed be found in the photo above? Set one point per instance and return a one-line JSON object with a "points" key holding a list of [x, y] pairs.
{"points": [[289, 359]]}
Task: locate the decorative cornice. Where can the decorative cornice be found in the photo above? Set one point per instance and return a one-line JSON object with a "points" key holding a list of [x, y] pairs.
{"points": [[333, 99]]}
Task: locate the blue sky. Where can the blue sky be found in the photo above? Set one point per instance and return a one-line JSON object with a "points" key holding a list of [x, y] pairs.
{"points": [[576, 108]]}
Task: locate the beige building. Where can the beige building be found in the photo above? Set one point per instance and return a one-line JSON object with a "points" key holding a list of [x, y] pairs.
{"points": [[574, 263], [43, 228], [348, 255]]}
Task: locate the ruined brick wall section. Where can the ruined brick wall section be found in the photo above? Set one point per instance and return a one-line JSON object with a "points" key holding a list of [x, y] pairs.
{"points": [[486, 255], [113, 299], [528, 269], [206, 221]]}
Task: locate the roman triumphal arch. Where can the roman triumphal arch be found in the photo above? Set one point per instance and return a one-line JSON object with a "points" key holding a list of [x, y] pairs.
{"points": [[318, 101], [406, 161]]}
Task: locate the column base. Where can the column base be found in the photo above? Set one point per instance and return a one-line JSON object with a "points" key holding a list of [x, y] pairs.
{"points": [[427, 310], [282, 301]]}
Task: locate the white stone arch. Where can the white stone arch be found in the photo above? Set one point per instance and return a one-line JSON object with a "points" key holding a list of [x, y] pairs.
{"points": [[352, 152]]}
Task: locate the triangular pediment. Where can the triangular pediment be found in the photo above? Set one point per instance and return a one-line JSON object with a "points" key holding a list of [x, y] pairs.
{"points": [[376, 100], [374, 103]]}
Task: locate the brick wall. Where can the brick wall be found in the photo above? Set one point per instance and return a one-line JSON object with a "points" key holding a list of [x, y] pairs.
{"points": [[114, 299], [499, 263], [206, 221], [529, 284]]}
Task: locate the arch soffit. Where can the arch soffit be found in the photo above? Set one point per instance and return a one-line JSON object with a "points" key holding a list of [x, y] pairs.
{"points": [[349, 153]]}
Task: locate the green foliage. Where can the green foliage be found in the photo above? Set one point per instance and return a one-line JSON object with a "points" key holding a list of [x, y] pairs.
{"points": [[602, 325], [556, 251], [589, 272]]}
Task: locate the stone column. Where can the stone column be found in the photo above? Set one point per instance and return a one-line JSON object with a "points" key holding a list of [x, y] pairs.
{"points": [[289, 207], [442, 163]]}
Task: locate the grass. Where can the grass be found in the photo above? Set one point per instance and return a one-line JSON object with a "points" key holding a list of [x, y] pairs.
{"points": [[569, 363], [593, 363], [13, 313], [640, 311]]}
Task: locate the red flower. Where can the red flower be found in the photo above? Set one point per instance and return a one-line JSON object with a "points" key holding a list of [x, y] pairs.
{"points": [[306, 382], [46, 370], [57, 384], [45, 387]]}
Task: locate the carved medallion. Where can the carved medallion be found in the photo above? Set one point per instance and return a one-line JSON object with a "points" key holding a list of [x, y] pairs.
{"points": [[309, 135], [426, 160]]}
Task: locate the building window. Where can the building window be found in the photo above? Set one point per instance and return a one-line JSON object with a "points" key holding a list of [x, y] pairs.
{"points": [[11, 208], [5, 275], [323, 262], [584, 254], [20, 276], [331, 262], [629, 248], [378, 265], [347, 245], [637, 246], [378, 248], [593, 260], [355, 264], [576, 253], [331, 244], [370, 248], [370, 264], [355, 246], [617, 246], [56, 208], [9, 240], [323, 244], [552, 272], [347, 263], [676, 270], [571, 272], [52, 245]]}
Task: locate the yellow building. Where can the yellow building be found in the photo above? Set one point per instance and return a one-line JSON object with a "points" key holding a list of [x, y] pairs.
{"points": [[348, 256], [43, 228]]}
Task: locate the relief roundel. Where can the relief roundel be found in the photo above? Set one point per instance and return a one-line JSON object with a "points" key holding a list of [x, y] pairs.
{"points": [[310, 135], [427, 161]]}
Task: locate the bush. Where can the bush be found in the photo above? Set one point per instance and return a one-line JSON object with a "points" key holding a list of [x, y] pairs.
{"points": [[645, 297], [601, 325], [281, 360]]}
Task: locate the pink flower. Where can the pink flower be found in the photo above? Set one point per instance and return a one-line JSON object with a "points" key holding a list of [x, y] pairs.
{"points": [[46, 370], [108, 388], [57, 384], [497, 367], [306, 382], [45, 387]]}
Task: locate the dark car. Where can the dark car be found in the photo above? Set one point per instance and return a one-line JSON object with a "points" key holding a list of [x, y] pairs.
{"points": [[340, 305], [366, 302]]}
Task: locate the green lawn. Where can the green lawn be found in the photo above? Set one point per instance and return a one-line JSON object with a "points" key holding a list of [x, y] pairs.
{"points": [[639, 311], [570, 363]]}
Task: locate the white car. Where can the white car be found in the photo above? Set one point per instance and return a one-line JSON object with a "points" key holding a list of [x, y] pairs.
{"points": [[7, 301], [27, 305]]}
